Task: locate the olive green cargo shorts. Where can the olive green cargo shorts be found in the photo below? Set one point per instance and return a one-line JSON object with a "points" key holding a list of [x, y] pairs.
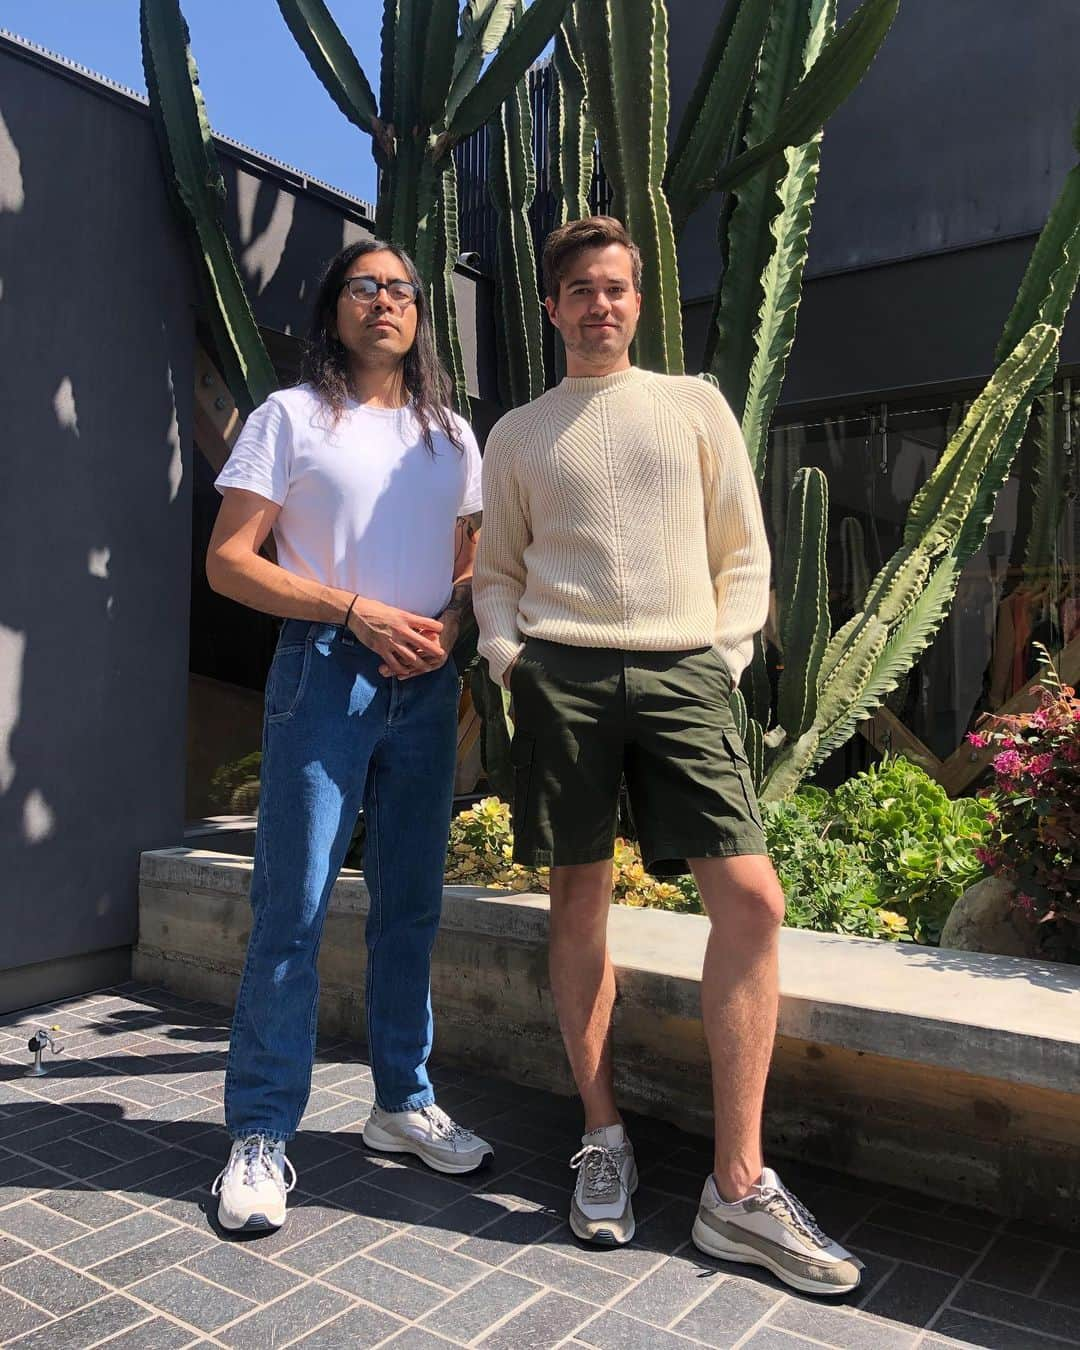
{"points": [[586, 717]]}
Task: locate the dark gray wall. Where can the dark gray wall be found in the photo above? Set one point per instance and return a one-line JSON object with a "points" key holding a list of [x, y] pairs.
{"points": [[96, 329], [958, 135], [935, 176]]}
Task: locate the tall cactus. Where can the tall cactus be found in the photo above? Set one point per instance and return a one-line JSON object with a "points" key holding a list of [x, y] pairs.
{"points": [[571, 133], [187, 147], [512, 183], [804, 601], [434, 90]]}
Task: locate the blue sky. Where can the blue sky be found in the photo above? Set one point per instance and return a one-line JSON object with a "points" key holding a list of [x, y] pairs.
{"points": [[259, 89]]}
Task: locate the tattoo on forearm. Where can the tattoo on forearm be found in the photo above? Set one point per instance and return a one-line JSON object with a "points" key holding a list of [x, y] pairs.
{"points": [[460, 602], [468, 527]]}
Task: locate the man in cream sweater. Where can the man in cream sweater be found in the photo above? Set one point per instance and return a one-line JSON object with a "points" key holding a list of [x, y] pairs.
{"points": [[623, 571]]}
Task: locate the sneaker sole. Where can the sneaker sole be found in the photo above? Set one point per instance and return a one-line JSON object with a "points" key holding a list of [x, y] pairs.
{"points": [[605, 1237], [382, 1142], [254, 1223], [707, 1241]]}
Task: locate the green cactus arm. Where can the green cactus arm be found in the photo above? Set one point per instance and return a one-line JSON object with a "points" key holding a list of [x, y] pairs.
{"points": [[715, 105], [754, 742], [483, 27], [1048, 499], [844, 684], [1046, 293], [757, 686], [408, 25], [781, 280], [902, 648], [946, 499], [388, 58], [187, 148], [332, 60], [738, 711], [745, 237], [520, 47], [512, 183], [443, 306], [624, 46], [1050, 278], [855, 582], [844, 60], [804, 602], [571, 135], [437, 43]]}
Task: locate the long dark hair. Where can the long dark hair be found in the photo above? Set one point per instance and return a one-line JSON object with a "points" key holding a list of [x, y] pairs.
{"points": [[326, 362]]}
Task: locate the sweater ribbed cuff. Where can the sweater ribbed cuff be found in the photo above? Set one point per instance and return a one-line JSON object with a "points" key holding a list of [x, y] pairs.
{"points": [[499, 654]]}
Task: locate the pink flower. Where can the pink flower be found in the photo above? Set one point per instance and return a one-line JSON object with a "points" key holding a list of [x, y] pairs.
{"points": [[1039, 765], [980, 742], [1007, 743], [1008, 764], [986, 856], [1026, 902]]}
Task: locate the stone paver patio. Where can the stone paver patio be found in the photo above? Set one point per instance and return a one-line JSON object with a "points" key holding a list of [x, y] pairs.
{"points": [[106, 1235]]}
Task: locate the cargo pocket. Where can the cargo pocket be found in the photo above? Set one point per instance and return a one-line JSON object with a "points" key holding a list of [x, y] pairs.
{"points": [[740, 767], [521, 757], [286, 681]]}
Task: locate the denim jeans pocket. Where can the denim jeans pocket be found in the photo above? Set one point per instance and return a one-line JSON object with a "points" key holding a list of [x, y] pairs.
{"points": [[286, 681]]}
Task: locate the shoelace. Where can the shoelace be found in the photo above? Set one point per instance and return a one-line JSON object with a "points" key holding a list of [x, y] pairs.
{"points": [[602, 1169], [257, 1161], [443, 1126], [780, 1198]]}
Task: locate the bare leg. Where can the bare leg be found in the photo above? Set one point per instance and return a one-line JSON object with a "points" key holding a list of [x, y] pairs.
{"points": [[739, 992], [583, 982]]}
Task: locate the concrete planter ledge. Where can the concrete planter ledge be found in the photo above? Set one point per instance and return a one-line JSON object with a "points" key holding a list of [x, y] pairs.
{"points": [[950, 1071]]}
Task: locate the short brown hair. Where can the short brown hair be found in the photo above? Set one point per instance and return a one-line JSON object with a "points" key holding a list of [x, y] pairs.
{"points": [[563, 245]]}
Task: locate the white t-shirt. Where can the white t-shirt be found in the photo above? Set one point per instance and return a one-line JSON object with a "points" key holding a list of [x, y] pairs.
{"points": [[365, 506]]}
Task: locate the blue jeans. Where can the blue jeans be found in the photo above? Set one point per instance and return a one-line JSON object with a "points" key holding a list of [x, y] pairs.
{"points": [[338, 735]]}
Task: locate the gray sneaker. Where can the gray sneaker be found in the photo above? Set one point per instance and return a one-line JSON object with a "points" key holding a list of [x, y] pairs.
{"points": [[771, 1228], [601, 1210], [430, 1134]]}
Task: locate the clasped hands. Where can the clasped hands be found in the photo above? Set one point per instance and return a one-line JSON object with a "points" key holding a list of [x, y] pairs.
{"points": [[409, 644]]}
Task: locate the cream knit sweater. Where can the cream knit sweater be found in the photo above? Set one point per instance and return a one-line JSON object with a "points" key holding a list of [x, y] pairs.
{"points": [[621, 511]]}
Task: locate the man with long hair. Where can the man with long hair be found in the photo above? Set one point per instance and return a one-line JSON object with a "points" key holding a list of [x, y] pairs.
{"points": [[371, 486], [622, 575]]}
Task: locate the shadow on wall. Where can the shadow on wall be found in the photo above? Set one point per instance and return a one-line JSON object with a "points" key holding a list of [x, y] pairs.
{"points": [[96, 328]]}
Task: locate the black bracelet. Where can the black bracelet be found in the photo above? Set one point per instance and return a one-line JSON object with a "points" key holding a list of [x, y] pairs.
{"points": [[348, 613]]}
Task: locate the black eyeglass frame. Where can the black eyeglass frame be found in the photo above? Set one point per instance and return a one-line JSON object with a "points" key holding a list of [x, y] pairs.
{"points": [[409, 299]]}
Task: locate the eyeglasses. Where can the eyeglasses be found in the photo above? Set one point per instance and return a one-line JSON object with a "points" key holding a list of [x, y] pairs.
{"points": [[364, 289]]}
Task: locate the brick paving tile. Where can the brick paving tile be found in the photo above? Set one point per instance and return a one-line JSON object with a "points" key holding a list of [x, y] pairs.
{"points": [[613, 1331], [964, 1329], [469, 1314], [669, 1292], [541, 1324], [1048, 1319], [313, 1255], [385, 1287], [106, 1165], [88, 1326], [288, 1318], [1015, 1263], [93, 1248], [17, 1316], [359, 1328], [191, 1300], [728, 1312], [50, 1285]]}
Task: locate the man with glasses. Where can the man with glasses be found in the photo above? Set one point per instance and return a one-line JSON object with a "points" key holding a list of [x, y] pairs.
{"points": [[371, 486]]}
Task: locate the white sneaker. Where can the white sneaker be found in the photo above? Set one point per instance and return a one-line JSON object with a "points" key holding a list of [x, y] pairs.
{"points": [[251, 1187], [771, 1228], [601, 1211], [430, 1134]]}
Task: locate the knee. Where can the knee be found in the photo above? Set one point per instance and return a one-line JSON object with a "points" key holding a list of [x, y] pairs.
{"points": [[756, 909]]}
